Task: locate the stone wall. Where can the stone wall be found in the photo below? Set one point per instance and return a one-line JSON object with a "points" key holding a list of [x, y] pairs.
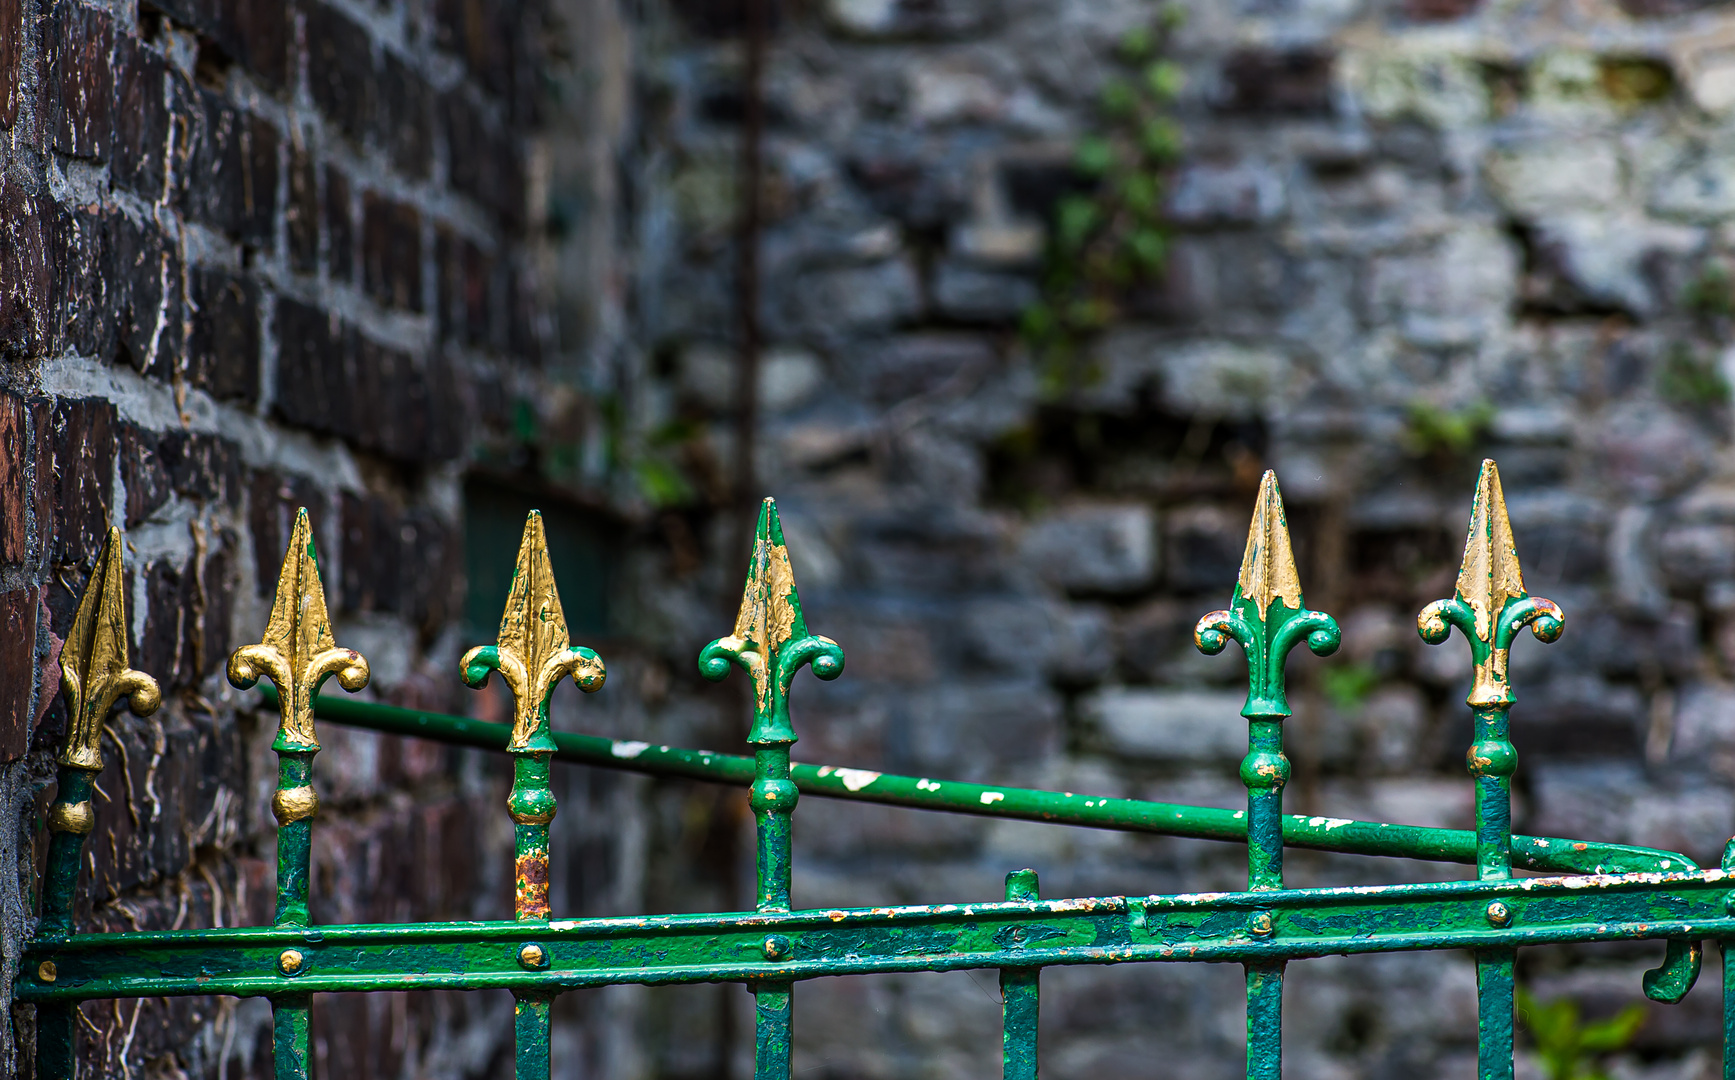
{"points": [[262, 255], [1405, 235]]}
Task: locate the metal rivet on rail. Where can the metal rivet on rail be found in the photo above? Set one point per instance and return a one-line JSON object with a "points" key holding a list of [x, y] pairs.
{"points": [[778, 947], [1261, 924], [46, 971], [1499, 914], [533, 956], [1729, 904], [291, 962]]}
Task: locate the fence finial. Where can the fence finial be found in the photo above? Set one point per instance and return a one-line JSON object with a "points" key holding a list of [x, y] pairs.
{"points": [[534, 650], [93, 663], [298, 651], [1267, 614], [770, 641], [1491, 606]]}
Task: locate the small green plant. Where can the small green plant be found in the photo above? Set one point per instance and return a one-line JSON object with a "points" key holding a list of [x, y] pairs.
{"points": [[1106, 241], [1431, 431], [1691, 379], [1348, 685], [1710, 294], [1570, 1048]]}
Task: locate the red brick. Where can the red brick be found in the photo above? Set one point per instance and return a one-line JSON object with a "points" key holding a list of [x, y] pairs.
{"points": [[26, 270], [77, 79], [18, 613], [148, 280], [84, 292], [141, 118], [84, 457], [11, 60]]}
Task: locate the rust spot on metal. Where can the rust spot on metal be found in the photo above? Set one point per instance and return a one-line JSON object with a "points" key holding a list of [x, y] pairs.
{"points": [[532, 873]]}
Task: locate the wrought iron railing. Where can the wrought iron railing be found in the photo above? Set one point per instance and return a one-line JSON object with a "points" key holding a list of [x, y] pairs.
{"points": [[1597, 892]]}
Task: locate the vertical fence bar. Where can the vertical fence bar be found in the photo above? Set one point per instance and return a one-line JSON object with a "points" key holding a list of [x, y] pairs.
{"points": [[532, 653], [1490, 608], [1020, 997], [298, 653], [1728, 1011], [770, 643], [1269, 617], [93, 676]]}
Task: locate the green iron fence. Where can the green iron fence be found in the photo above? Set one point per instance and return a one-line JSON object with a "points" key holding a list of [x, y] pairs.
{"points": [[1591, 891]]}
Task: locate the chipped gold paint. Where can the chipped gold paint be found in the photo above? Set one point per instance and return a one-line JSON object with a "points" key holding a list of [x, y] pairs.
{"points": [[534, 646], [1268, 569], [294, 804], [766, 618], [1490, 576], [93, 664], [77, 818], [298, 651]]}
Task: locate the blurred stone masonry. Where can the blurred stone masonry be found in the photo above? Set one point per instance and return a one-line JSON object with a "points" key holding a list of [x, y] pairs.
{"points": [[1405, 234], [260, 255]]}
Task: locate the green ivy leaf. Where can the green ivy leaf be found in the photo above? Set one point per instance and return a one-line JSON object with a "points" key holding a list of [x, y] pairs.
{"points": [[1161, 140], [1165, 79], [1137, 44], [1148, 247], [1078, 215], [1095, 156], [1119, 99]]}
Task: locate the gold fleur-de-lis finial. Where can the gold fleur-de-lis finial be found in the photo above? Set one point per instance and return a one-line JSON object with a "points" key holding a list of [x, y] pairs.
{"points": [[93, 663], [534, 651], [1491, 606], [1268, 566], [298, 651]]}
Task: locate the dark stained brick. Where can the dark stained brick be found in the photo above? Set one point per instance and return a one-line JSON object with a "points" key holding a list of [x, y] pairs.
{"points": [[160, 646], [1440, 10], [77, 79], [148, 286], [18, 676], [85, 287], [262, 32], [272, 500], [404, 120], [84, 459], [340, 70], [143, 472], [233, 180], [11, 59], [464, 278], [391, 248], [217, 596], [340, 223], [1268, 82], [201, 466], [490, 172], [314, 385], [141, 118], [302, 213], [223, 349], [27, 271], [42, 469], [14, 479]]}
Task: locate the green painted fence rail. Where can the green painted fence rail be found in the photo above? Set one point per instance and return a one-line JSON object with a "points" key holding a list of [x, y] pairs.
{"points": [[1592, 892]]}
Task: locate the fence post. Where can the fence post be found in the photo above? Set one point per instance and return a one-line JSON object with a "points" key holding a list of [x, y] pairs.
{"points": [[93, 676], [1020, 997], [1268, 616], [298, 653], [1490, 608], [532, 654], [770, 643]]}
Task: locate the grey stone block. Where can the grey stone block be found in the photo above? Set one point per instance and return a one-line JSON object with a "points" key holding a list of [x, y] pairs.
{"points": [[1094, 547]]}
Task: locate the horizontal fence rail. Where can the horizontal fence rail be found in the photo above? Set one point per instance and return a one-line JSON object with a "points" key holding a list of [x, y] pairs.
{"points": [[1598, 892]]}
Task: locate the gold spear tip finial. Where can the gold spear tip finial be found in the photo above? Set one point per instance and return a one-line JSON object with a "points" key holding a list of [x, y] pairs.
{"points": [[533, 626], [770, 612], [93, 663], [1268, 569], [1490, 575]]}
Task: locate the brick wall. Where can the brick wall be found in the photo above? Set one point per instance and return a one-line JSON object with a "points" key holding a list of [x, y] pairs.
{"points": [[260, 255]]}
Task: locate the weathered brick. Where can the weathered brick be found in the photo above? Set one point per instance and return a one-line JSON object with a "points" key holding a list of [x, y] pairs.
{"points": [[314, 385], [302, 212], [18, 612], [85, 287], [143, 472], [272, 500], [391, 249], [11, 59], [526, 324], [262, 34], [14, 479], [84, 458], [1262, 81], [141, 118], [490, 172], [148, 287], [340, 70], [77, 79], [404, 120], [340, 223], [160, 646], [27, 271], [223, 346], [42, 469], [201, 466], [234, 162]]}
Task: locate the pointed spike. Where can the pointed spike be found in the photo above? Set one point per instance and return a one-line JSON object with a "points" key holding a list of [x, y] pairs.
{"points": [[770, 612], [300, 626], [533, 625], [93, 662], [1490, 575], [1268, 567]]}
